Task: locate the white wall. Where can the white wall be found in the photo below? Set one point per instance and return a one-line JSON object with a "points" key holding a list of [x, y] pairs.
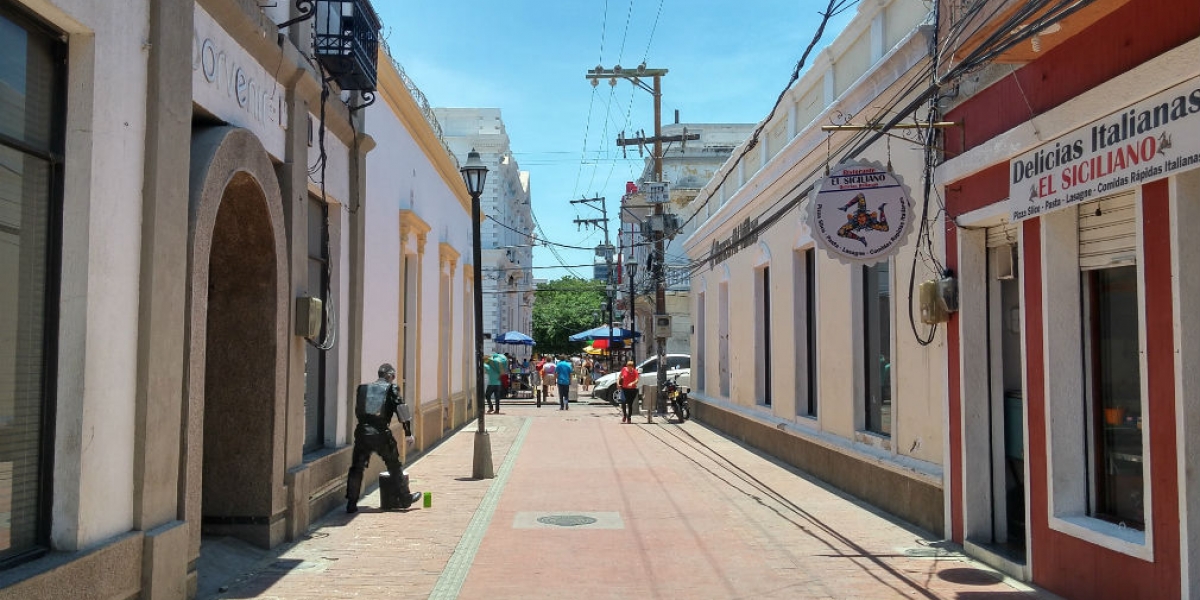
{"points": [[94, 437], [400, 176], [506, 198], [918, 372]]}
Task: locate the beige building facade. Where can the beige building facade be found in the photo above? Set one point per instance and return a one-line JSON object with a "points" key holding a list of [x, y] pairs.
{"points": [[182, 188], [796, 351]]}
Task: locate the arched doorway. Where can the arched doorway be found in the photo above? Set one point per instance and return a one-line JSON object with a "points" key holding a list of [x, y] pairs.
{"points": [[237, 314], [239, 361]]}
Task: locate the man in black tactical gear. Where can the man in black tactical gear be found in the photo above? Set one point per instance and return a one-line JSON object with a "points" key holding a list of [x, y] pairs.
{"points": [[374, 406]]}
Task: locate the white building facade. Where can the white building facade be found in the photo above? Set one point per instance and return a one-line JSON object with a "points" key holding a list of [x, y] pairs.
{"points": [[507, 268], [795, 351], [179, 191]]}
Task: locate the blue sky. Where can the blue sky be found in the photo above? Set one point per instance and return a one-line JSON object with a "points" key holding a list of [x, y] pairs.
{"points": [[727, 63]]}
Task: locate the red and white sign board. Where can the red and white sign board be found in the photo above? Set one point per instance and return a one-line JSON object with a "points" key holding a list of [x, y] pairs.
{"points": [[1148, 140]]}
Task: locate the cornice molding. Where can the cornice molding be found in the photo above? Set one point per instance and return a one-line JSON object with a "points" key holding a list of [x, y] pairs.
{"points": [[449, 256], [411, 224], [395, 94]]}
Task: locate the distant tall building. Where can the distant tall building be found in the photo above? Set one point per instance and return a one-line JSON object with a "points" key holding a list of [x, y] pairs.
{"points": [[687, 167], [508, 220]]}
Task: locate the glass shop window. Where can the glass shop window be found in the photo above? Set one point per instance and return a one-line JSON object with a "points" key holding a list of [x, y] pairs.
{"points": [[877, 359], [1110, 299]]}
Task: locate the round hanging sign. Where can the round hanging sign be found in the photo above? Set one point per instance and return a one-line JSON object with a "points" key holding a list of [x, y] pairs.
{"points": [[860, 213]]}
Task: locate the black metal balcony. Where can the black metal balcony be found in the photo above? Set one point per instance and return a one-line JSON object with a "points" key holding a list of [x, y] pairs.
{"points": [[346, 42]]}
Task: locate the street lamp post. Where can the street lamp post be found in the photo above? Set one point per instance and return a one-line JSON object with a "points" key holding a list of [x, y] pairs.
{"points": [[610, 292], [474, 173], [631, 272]]}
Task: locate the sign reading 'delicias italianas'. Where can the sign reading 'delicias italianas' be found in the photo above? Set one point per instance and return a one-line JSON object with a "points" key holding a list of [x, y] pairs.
{"points": [[1148, 140], [860, 213]]}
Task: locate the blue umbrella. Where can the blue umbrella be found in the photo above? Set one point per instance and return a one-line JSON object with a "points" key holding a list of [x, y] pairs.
{"points": [[604, 332], [514, 337]]}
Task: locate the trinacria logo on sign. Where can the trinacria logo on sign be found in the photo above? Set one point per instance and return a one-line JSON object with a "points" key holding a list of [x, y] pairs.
{"points": [[860, 213]]}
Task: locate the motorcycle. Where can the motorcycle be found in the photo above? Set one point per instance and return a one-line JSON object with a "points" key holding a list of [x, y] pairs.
{"points": [[678, 396]]}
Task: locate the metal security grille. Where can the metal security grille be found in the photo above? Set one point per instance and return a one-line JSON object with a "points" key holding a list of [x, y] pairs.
{"points": [[1108, 232], [1002, 235]]}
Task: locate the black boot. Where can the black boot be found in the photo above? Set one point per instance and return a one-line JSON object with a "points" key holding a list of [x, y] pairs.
{"points": [[351, 506], [408, 500], [407, 496]]}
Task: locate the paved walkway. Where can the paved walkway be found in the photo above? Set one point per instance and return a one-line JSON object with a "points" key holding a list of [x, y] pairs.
{"points": [[583, 506]]}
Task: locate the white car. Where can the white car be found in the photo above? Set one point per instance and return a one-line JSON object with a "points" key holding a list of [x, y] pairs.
{"points": [[677, 364]]}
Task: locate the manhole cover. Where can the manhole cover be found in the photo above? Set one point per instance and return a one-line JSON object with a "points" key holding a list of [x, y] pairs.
{"points": [[966, 576], [566, 520], [928, 553]]}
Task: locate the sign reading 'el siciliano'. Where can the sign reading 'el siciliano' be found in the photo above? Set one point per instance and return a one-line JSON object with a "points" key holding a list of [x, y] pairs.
{"points": [[1146, 141], [860, 213]]}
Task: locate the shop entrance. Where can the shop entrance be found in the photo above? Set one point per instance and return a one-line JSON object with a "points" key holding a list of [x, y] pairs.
{"points": [[237, 305], [239, 382], [1006, 394]]}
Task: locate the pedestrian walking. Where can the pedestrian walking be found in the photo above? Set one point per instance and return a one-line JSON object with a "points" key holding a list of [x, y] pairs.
{"points": [[493, 367], [563, 369], [374, 405], [628, 379], [585, 377], [549, 376], [535, 378]]}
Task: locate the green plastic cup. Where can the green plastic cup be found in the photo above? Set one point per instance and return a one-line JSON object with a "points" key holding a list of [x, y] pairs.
{"points": [[428, 499]]}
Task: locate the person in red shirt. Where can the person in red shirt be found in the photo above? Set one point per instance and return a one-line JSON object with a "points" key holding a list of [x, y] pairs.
{"points": [[628, 380]]}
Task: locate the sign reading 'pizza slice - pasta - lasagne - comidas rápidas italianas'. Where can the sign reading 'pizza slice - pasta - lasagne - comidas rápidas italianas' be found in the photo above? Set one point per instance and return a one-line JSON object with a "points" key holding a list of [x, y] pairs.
{"points": [[860, 213], [1146, 141]]}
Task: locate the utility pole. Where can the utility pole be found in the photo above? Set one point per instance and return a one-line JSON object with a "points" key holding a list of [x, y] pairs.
{"points": [[642, 140], [660, 295], [604, 251]]}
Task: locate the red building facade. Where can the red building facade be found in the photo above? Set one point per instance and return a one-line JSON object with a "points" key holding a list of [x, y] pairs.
{"points": [[1071, 185]]}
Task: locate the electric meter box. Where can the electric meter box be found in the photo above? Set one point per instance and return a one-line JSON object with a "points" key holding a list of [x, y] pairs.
{"points": [[308, 317], [662, 326]]}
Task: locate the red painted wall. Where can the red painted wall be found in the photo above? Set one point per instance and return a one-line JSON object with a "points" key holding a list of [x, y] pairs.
{"points": [[1160, 372], [1130, 36], [1062, 563], [984, 188]]}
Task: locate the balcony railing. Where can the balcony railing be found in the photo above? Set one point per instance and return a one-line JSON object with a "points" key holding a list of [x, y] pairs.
{"points": [[346, 42]]}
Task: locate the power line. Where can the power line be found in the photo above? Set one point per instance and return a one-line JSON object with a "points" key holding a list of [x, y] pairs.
{"points": [[582, 266], [541, 240], [832, 9]]}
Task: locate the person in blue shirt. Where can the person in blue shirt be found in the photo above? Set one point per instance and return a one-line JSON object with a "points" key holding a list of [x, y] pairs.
{"points": [[564, 368]]}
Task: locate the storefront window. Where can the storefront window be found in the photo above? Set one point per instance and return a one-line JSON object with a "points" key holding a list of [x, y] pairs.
{"points": [[30, 199], [877, 328], [1111, 309]]}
